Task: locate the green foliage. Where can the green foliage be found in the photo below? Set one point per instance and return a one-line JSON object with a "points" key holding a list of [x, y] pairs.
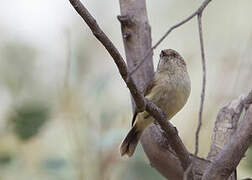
{"points": [[28, 119], [5, 158]]}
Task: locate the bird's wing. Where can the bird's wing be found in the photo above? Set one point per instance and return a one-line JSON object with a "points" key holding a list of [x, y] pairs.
{"points": [[147, 89], [149, 86]]}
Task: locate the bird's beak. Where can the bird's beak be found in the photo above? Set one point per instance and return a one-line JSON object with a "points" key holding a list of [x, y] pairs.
{"points": [[162, 54]]}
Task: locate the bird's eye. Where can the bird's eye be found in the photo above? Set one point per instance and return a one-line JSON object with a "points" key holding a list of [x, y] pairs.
{"points": [[162, 53]]}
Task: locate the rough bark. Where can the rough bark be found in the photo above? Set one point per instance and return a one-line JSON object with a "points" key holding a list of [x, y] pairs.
{"points": [[229, 143], [227, 160], [225, 125], [136, 33]]}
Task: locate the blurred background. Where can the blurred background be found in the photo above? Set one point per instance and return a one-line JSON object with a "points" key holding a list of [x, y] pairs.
{"points": [[64, 108]]}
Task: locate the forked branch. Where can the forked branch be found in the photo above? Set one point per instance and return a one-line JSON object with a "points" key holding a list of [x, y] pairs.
{"points": [[228, 159]]}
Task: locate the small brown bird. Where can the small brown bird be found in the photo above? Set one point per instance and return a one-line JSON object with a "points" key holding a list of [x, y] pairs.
{"points": [[169, 90]]}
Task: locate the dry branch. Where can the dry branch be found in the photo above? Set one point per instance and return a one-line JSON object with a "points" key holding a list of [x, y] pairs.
{"points": [[227, 160], [225, 126]]}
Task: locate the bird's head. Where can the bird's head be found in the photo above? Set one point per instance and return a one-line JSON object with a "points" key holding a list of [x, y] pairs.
{"points": [[170, 60]]}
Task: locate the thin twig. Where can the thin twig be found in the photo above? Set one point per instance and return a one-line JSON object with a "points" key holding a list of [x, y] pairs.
{"points": [[141, 102], [203, 85], [149, 52]]}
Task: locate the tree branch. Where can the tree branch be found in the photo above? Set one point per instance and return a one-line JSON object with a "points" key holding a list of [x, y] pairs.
{"points": [[136, 34], [141, 102], [225, 126], [227, 160], [149, 52], [203, 84]]}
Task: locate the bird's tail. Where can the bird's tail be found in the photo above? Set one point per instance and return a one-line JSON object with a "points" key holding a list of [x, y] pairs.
{"points": [[129, 144]]}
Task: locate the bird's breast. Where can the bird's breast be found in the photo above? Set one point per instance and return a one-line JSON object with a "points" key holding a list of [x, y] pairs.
{"points": [[170, 94]]}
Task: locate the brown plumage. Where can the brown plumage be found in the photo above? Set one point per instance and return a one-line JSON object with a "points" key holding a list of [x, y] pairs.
{"points": [[169, 90]]}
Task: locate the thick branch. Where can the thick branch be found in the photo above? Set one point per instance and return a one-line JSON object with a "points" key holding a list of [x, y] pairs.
{"points": [[225, 125], [160, 154], [171, 134], [141, 102], [136, 39], [226, 161]]}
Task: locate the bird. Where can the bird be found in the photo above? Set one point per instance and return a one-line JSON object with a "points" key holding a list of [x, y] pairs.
{"points": [[168, 89]]}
